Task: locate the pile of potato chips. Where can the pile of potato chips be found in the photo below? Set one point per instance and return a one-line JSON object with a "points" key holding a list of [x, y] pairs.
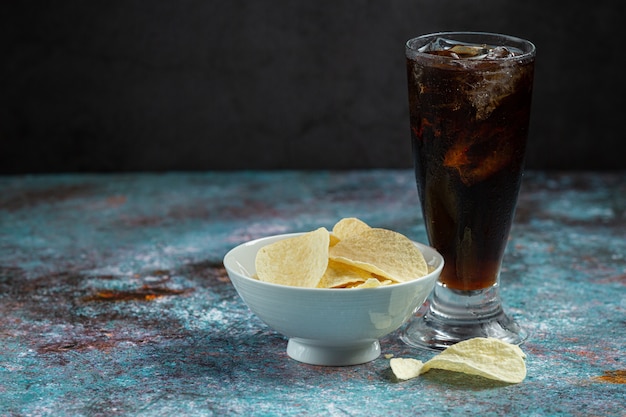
{"points": [[354, 255], [487, 357]]}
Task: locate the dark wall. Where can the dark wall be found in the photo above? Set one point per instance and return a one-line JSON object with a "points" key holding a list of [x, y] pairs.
{"points": [[197, 85]]}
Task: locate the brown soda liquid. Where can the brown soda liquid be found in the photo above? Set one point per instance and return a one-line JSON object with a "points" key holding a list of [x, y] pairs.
{"points": [[469, 128]]}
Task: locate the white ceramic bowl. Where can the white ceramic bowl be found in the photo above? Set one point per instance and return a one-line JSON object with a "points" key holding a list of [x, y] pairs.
{"points": [[332, 327]]}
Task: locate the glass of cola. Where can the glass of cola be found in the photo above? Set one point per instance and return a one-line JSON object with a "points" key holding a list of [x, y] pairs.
{"points": [[469, 104]]}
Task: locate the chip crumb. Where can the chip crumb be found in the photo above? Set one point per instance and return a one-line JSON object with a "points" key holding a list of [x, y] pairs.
{"points": [[388, 355], [406, 368]]}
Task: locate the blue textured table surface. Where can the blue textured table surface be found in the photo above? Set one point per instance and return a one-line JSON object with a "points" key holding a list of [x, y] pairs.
{"points": [[114, 300]]}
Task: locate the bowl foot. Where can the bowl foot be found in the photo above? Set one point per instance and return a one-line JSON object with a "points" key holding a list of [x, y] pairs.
{"points": [[315, 353]]}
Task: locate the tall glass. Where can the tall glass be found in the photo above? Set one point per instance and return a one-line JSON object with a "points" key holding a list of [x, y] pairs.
{"points": [[469, 103]]}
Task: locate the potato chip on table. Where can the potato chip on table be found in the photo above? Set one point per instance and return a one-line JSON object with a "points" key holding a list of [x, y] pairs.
{"points": [[486, 357]]}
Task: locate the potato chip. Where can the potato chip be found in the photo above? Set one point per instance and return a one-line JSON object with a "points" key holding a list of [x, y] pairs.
{"points": [[298, 261], [383, 252], [366, 258], [372, 283], [487, 357], [406, 368], [349, 226], [339, 275]]}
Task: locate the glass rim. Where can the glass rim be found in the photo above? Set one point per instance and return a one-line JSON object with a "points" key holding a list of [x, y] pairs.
{"points": [[527, 53]]}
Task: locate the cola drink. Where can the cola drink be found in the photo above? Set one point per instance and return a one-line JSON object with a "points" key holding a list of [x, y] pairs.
{"points": [[469, 103]]}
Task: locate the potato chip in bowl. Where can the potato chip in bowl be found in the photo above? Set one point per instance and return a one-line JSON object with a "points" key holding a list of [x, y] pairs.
{"points": [[333, 309]]}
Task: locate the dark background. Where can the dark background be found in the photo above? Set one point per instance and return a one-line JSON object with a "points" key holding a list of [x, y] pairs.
{"points": [[209, 85]]}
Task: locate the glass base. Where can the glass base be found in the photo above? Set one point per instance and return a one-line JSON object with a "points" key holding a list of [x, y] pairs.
{"points": [[451, 316]]}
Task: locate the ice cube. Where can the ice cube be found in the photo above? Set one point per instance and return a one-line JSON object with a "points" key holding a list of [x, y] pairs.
{"points": [[454, 49], [457, 49], [480, 155], [437, 45], [470, 51], [500, 52]]}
